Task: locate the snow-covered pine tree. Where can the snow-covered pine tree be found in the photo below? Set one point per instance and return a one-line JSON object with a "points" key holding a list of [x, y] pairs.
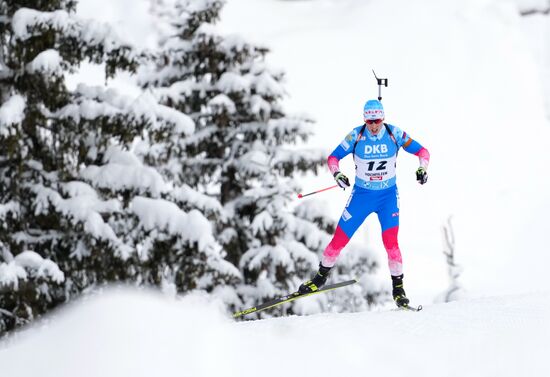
{"points": [[41, 146], [78, 207], [245, 151]]}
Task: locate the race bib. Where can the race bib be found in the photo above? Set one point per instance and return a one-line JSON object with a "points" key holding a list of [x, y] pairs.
{"points": [[376, 170]]}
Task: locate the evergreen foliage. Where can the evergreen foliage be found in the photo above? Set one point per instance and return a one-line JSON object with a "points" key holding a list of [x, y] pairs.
{"points": [[189, 185], [79, 208], [246, 152]]}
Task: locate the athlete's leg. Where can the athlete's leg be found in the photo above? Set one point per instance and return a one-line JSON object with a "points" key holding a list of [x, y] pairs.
{"points": [[355, 212], [388, 215], [395, 261]]}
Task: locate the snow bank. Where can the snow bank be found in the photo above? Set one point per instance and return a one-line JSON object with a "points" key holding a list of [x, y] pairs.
{"points": [[123, 332]]}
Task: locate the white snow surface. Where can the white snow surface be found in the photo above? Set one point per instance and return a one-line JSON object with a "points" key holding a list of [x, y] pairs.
{"points": [[466, 82], [123, 333]]}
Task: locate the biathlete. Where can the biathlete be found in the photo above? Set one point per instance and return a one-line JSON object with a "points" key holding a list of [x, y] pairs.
{"points": [[374, 146]]}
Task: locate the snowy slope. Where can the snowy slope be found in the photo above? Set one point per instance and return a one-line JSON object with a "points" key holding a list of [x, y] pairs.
{"points": [[125, 333], [464, 81]]}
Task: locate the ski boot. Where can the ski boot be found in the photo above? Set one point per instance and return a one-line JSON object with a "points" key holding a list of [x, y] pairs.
{"points": [[398, 292], [317, 282]]}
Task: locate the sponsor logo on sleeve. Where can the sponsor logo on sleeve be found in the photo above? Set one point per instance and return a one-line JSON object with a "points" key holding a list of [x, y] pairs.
{"points": [[347, 140]]}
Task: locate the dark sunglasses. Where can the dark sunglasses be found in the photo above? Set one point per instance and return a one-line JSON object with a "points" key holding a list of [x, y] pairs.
{"points": [[374, 121]]}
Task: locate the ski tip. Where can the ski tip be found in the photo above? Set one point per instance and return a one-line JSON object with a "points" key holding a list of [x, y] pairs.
{"points": [[300, 196], [414, 308], [410, 308]]}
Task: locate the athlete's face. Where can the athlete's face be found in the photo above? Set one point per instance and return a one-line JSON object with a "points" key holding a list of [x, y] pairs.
{"points": [[374, 125]]}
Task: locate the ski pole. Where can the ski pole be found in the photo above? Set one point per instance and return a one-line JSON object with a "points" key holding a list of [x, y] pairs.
{"points": [[300, 196]]}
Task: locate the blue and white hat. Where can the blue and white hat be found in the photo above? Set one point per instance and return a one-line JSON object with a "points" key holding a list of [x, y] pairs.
{"points": [[373, 110]]}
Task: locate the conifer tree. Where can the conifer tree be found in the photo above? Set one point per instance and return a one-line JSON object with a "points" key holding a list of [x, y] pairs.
{"points": [[78, 206], [246, 152]]}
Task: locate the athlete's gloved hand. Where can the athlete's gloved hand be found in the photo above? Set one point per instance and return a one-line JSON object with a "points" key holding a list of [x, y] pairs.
{"points": [[341, 180], [421, 175]]}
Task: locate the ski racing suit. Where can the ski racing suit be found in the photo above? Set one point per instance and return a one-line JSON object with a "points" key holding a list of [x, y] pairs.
{"points": [[375, 188]]}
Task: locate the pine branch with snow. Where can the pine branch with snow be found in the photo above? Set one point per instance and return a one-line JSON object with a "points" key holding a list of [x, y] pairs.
{"points": [[78, 193], [246, 152]]}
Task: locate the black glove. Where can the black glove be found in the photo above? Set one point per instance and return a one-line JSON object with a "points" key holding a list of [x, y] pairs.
{"points": [[341, 180], [421, 175]]}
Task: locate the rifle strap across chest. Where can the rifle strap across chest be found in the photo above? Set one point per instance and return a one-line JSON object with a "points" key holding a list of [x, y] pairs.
{"points": [[359, 137]]}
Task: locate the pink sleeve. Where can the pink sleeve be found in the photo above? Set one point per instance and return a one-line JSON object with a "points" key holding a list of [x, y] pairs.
{"points": [[423, 157], [333, 164]]}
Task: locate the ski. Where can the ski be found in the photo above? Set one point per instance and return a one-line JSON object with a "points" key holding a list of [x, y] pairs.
{"points": [[291, 297]]}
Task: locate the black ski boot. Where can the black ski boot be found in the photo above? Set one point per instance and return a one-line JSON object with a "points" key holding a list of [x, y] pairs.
{"points": [[398, 292], [317, 282]]}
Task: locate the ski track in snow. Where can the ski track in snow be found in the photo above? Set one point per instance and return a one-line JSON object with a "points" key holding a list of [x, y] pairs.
{"points": [[123, 332]]}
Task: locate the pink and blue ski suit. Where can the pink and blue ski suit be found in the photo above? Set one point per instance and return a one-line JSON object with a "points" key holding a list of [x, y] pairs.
{"points": [[375, 188]]}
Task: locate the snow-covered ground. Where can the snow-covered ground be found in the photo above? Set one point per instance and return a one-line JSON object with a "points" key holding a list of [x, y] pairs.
{"points": [[125, 333], [465, 81]]}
